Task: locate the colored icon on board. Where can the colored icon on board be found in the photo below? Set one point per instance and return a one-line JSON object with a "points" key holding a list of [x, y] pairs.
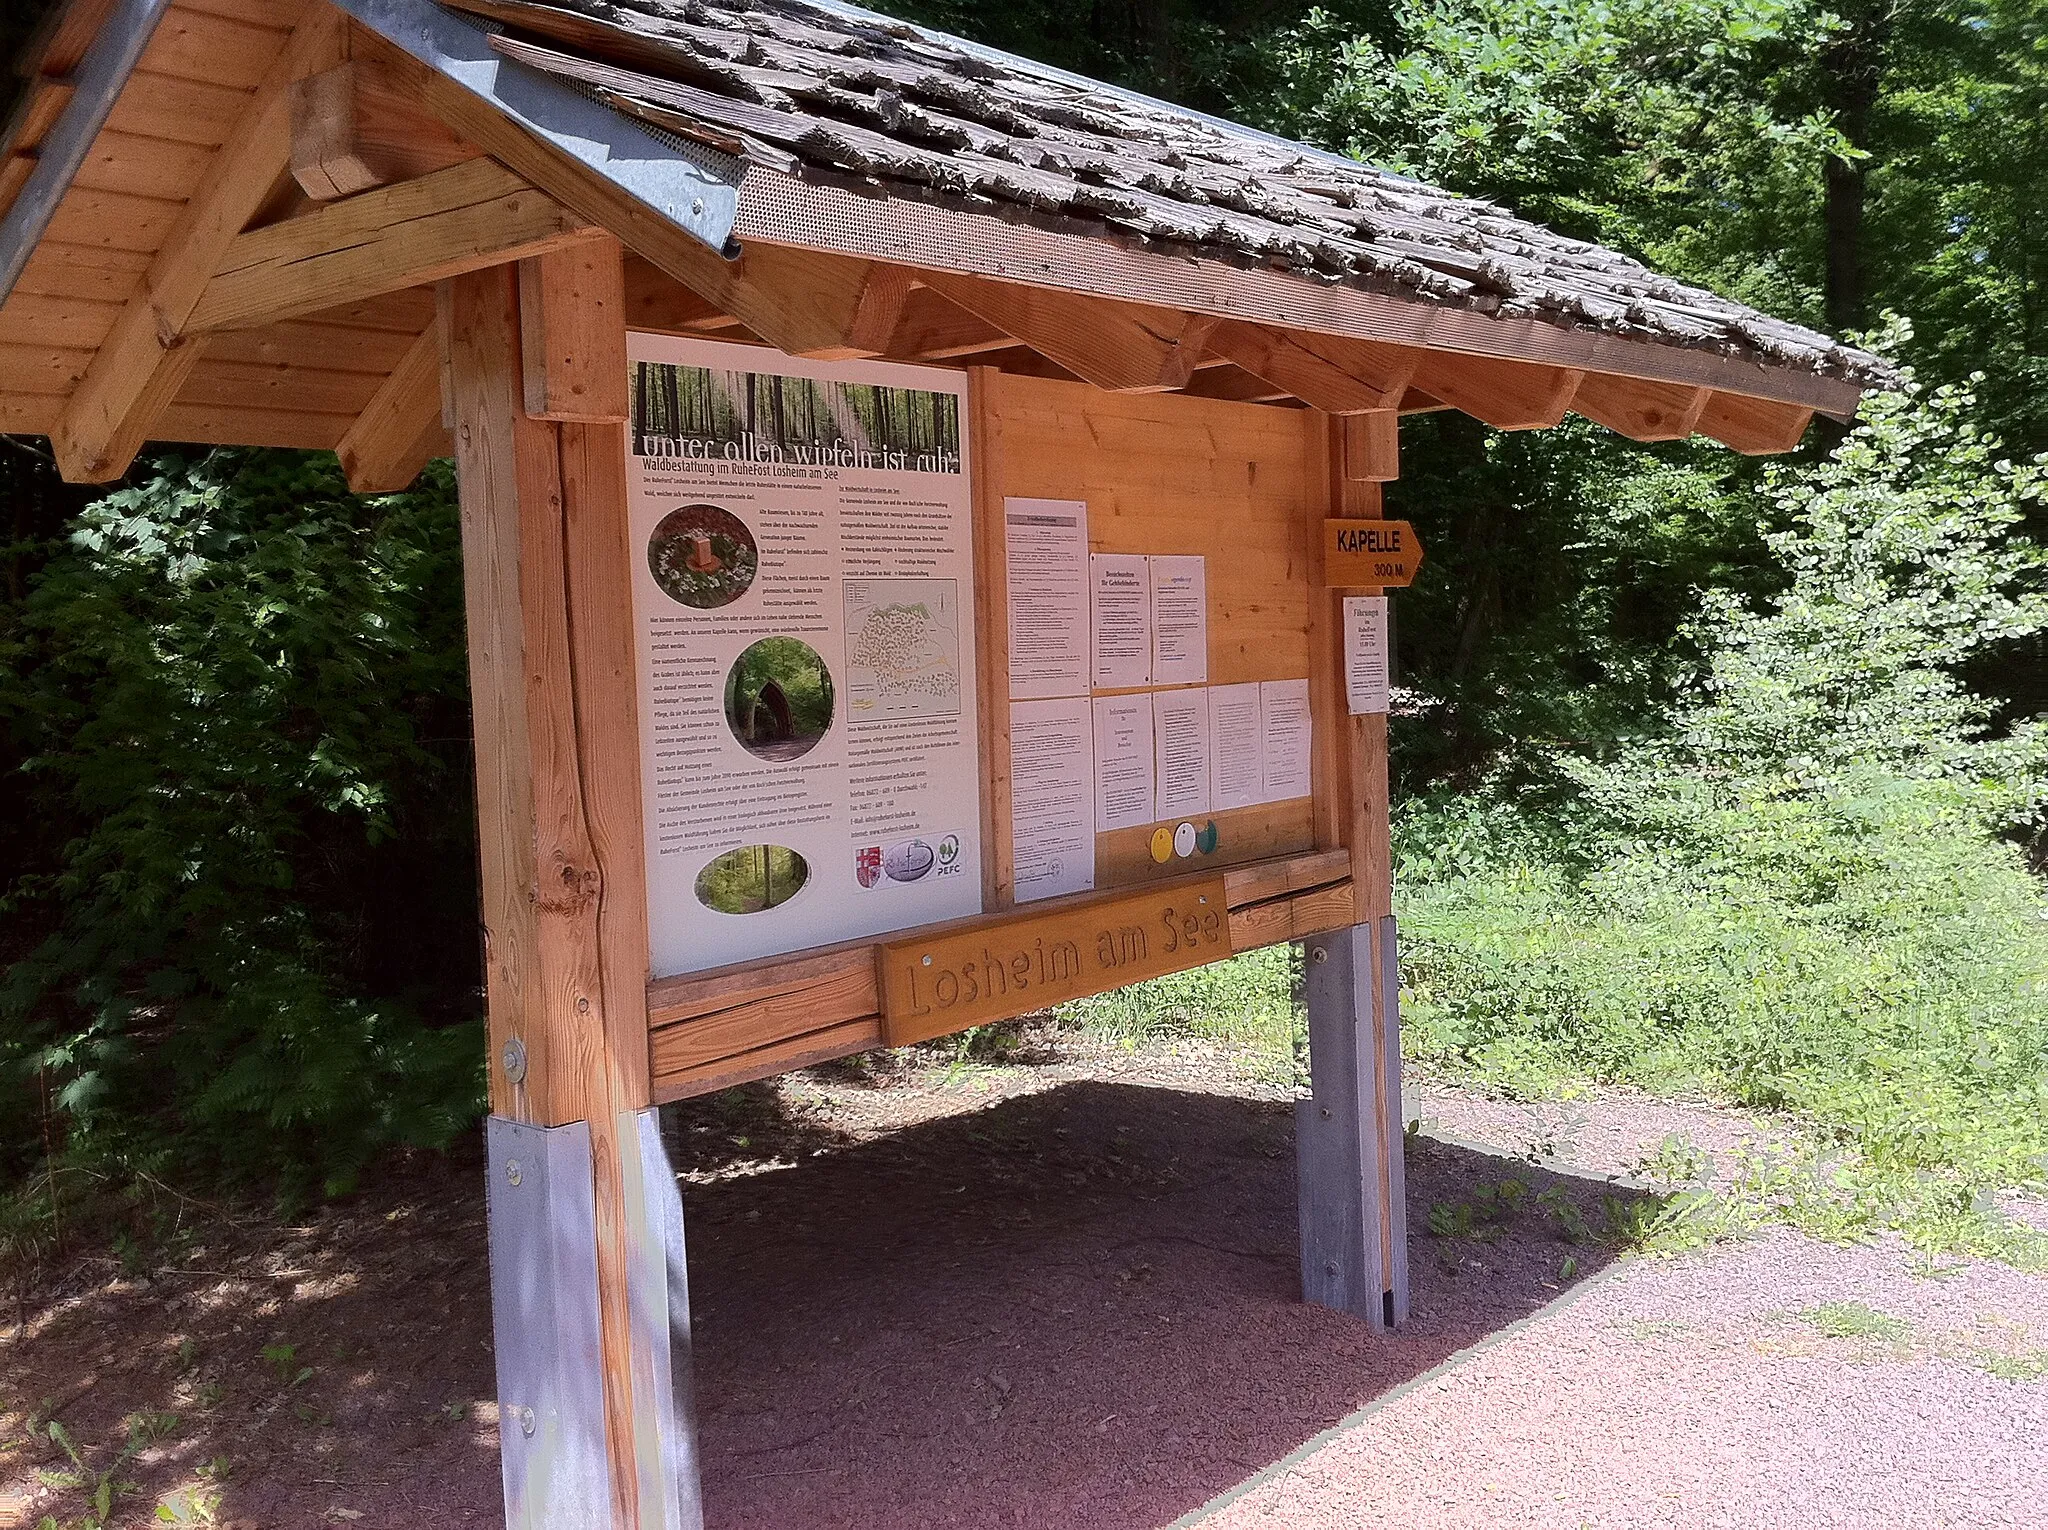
{"points": [[1184, 840], [1162, 844], [1205, 838]]}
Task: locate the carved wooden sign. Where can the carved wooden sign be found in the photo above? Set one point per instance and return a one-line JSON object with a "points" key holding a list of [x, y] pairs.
{"points": [[947, 981], [1370, 554]]}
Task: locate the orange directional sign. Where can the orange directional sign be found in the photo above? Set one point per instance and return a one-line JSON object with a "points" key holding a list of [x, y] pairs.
{"points": [[1370, 554]]}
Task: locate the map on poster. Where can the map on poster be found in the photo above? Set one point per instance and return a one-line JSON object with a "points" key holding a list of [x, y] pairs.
{"points": [[802, 601]]}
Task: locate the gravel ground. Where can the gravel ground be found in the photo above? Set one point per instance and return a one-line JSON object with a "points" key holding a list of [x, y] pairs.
{"points": [[1781, 1382]]}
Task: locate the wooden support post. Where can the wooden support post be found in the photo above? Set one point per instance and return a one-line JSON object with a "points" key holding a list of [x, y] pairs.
{"points": [[547, 570], [1349, 1132]]}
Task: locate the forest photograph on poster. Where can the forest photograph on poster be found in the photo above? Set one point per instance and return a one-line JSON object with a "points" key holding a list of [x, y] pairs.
{"points": [[711, 412]]}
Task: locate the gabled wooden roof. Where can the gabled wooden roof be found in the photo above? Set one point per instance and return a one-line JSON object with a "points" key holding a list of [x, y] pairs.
{"points": [[228, 231]]}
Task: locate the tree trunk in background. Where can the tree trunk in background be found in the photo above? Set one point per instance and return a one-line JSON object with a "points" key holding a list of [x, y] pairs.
{"points": [[1852, 67]]}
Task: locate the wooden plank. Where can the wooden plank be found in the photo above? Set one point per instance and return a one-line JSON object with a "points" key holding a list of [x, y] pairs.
{"points": [[657, 301], [78, 271], [1374, 554], [190, 111], [355, 126], [1123, 857], [1236, 384], [1756, 427], [1328, 776], [1508, 395], [409, 311], [848, 994], [559, 847], [307, 390], [1296, 873], [572, 333], [673, 1000], [398, 431], [114, 220], [992, 969], [143, 363], [1642, 411], [456, 220], [782, 1057], [303, 342], [934, 328], [986, 395], [1331, 375], [76, 323], [197, 46], [240, 425], [28, 414], [41, 369], [148, 167], [1372, 447], [1292, 918], [1117, 346]]}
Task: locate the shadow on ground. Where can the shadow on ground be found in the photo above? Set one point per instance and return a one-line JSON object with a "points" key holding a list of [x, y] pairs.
{"points": [[1076, 1308]]}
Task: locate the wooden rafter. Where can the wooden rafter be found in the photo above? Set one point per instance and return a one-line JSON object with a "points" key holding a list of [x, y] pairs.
{"points": [[1335, 376], [399, 431], [421, 231], [354, 127], [1117, 346], [826, 306], [1508, 395], [148, 355], [1639, 409], [934, 327], [1754, 426]]}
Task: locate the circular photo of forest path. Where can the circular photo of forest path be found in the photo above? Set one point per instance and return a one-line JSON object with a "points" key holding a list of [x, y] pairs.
{"points": [[778, 698], [752, 879], [703, 556]]}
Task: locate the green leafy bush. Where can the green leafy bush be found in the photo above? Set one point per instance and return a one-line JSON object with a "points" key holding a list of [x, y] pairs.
{"points": [[1807, 892], [241, 923]]}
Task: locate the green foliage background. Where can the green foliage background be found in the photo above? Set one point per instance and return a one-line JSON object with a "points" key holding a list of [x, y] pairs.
{"points": [[1713, 773]]}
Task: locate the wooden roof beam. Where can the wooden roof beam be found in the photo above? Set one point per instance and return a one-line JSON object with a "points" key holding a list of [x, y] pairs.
{"points": [[355, 126], [1120, 347], [147, 356], [831, 307], [935, 328], [1234, 384], [399, 431], [1757, 427], [1508, 395], [1326, 373], [421, 231], [1640, 409]]}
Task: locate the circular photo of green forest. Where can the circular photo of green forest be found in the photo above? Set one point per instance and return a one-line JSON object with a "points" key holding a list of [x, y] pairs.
{"points": [[752, 879], [703, 556], [778, 698]]}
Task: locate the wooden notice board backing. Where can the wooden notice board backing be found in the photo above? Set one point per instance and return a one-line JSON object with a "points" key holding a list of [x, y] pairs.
{"points": [[1244, 486]]}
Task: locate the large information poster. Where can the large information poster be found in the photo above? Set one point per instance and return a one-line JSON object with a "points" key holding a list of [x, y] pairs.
{"points": [[804, 601]]}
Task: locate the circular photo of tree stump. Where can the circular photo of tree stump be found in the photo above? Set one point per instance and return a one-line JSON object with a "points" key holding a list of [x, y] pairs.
{"points": [[752, 879], [703, 556], [778, 698]]}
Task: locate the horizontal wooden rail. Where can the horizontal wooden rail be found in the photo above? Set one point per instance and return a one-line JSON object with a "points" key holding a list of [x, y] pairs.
{"points": [[712, 1030]]}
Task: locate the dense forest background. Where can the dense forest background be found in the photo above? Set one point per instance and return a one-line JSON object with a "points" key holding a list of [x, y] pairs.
{"points": [[1712, 773]]}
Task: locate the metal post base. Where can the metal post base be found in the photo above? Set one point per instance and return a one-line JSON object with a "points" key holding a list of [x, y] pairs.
{"points": [[544, 1321], [1348, 1133]]}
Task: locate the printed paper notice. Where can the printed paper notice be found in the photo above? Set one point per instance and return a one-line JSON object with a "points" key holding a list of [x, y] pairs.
{"points": [[1365, 653], [1284, 719], [1180, 730], [1123, 762], [1237, 749], [1052, 797], [1123, 620], [803, 576], [1046, 545], [1180, 620]]}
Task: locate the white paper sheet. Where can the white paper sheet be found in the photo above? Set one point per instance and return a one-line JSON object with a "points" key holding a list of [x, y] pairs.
{"points": [[1123, 620], [1052, 797], [1046, 547], [1365, 653], [1180, 620], [1289, 737], [1237, 749], [1123, 762], [1180, 732]]}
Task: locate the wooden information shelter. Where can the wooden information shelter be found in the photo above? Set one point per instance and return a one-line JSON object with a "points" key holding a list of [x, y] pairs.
{"points": [[400, 230]]}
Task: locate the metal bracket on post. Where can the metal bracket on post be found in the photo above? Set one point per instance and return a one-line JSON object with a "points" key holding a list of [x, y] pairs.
{"points": [[1348, 1133], [658, 1292], [544, 1322]]}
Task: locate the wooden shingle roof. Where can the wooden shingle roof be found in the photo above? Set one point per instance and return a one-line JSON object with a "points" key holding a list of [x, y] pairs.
{"points": [[833, 90]]}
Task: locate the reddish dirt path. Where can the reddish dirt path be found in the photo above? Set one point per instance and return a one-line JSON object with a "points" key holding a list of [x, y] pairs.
{"points": [[1073, 1306]]}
